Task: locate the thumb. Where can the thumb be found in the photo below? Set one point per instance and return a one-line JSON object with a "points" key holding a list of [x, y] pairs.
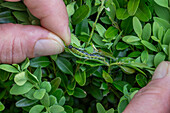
{"points": [[20, 41], [155, 97]]}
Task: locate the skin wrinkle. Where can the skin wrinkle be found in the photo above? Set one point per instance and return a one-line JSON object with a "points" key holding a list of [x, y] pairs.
{"points": [[1, 46], [1, 52], [13, 50], [22, 53]]}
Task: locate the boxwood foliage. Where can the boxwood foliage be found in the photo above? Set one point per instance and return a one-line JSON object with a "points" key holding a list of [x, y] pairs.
{"points": [[115, 47]]}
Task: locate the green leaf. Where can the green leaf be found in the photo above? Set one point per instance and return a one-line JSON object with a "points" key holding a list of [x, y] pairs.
{"points": [[130, 39], [107, 77], [160, 33], [165, 24], [56, 109], [40, 61], [82, 28], [137, 26], [53, 100], [32, 78], [100, 108], [72, 85], [36, 109], [155, 39], [120, 84], [80, 78], [111, 33], [143, 12], [122, 105], [98, 39], [127, 70], [79, 93], [166, 39], [8, 68], [149, 45], [105, 20], [2, 107], [162, 12], [25, 64], [19, 6], [144, 57], [100, 29], [68, 109], [20, 79], [165, 49], [39, 94], [126, 25], [55, 84], [122, 14], [62, 101], [70, 9], [110, 9], [46, 85], [121, 46], [146, 33], [38, 74], [74, 40], [80, 14], [89, 49], [25, 102], [110, 111], [95, 92], [21, 16], [133, 6], [134, 54], [159, 57], [29, 94], [104, 86], [163, 3], [64, 65], [45, 100], [19, 90], [4, 75], [79, 111], [156, 27], [141, 80]]}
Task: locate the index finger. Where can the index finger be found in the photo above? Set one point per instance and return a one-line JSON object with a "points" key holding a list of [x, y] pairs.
{"points": [[52, 14]]}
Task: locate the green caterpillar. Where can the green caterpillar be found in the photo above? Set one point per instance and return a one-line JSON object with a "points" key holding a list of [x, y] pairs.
{"points": [[85, 55]]}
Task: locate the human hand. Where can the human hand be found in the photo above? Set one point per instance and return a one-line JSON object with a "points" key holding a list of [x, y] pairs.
{"points": [[155, 97], [20, 41]]}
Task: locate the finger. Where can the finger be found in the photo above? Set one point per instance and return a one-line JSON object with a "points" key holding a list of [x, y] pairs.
{"points": [[155, 97], [53, 16], [20, 41]]}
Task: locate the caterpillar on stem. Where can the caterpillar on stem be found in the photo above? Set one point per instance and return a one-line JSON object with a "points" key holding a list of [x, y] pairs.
{"points": [[82, 54]]}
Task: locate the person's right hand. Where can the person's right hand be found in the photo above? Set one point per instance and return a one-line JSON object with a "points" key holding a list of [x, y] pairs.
{"points": [[20, 41], [155, 97]]}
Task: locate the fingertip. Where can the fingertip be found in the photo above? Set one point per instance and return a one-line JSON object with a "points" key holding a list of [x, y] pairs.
{"points": [[161, 71]]}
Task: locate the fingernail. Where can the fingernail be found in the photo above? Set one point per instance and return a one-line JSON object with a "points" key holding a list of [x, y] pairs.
{"points": [[161, 71], [49, 46]]}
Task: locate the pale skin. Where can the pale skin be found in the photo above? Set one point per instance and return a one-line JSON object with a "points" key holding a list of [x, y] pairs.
{"points": [[20, 41]]}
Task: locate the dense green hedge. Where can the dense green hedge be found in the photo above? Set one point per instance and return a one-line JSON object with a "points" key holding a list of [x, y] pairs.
{"points": [[116, 46]]}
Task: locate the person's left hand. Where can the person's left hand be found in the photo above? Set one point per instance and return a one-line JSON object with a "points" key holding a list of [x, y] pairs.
{"points": [[20, 41]]}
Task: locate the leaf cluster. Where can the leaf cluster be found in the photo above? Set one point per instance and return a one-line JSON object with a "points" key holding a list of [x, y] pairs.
{"points": [[132, 38]]}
